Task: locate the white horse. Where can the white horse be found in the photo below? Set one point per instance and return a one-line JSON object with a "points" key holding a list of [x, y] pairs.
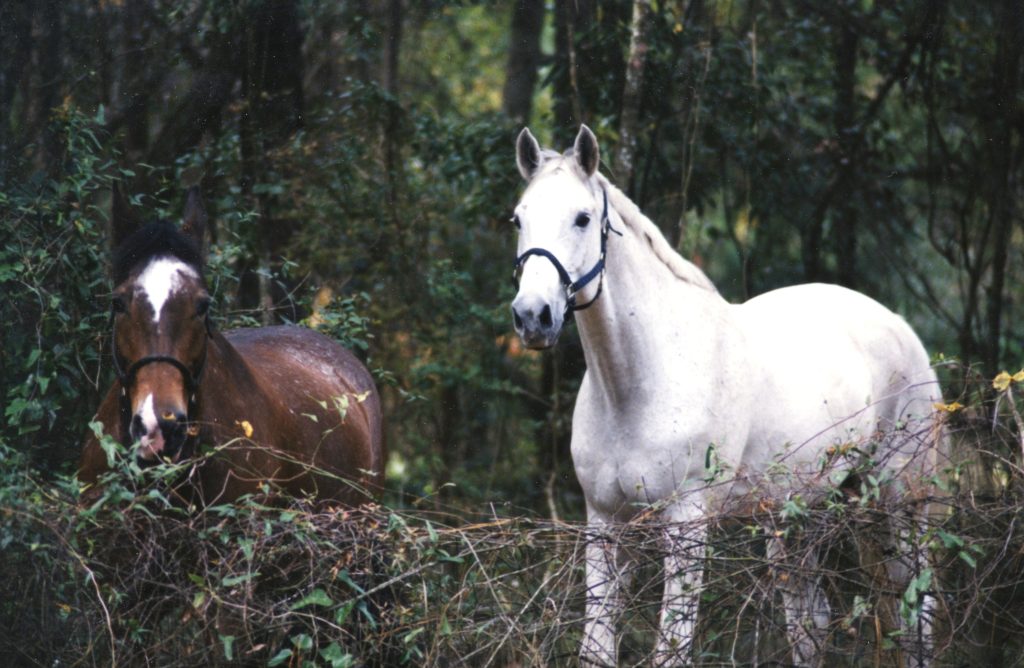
{"points": [[676, 377]]}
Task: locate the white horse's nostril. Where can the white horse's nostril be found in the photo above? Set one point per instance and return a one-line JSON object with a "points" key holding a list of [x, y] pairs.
{"points": [[545, 316]]}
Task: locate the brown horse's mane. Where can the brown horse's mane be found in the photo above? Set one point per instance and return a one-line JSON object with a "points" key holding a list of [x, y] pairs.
{"points": [[158, 239]]}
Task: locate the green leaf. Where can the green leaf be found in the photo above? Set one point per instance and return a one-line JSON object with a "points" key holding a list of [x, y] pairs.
{"points": [[344, 611], [279, 658], [233, 580], [411, 635], [316, 597], [229, 647], [347, 579], [336, 657], [32, 357]]}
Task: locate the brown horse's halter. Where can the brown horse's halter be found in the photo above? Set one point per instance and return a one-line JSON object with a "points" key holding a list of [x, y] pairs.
{"points": [[127, 378]]}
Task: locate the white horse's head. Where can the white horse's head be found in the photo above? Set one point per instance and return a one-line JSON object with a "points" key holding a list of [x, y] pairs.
{"points": [[562, 219]]}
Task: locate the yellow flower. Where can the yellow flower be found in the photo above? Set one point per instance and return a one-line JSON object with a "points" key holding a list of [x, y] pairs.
{"points": [[948, 408], [246, 427], [1002, 381]]}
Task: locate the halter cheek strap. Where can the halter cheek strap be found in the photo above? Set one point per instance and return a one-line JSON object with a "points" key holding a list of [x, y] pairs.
{"points": [[572, 287]]}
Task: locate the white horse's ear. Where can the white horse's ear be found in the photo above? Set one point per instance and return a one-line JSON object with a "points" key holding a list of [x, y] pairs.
{"points": [[585, 149], [194, 219], [528, 157]]}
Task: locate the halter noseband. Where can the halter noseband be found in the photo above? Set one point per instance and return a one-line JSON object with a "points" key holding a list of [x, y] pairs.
{"points": [[127, 377], [573, 287]]}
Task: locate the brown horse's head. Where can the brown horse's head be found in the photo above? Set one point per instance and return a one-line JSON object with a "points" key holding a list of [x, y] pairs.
{"points": [[159, 316]]}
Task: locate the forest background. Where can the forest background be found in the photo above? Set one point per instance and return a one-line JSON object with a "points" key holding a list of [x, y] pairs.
{"points": [[357, 161]]}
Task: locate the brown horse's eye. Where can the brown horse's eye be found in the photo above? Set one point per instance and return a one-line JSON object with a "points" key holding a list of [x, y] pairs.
{"points": [[203, 307], [118, 304]]}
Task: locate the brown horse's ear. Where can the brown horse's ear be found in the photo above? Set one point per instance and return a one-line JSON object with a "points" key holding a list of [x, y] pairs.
{"points": [[586, 151], [194, 220], [528, 157], [123, 221]]}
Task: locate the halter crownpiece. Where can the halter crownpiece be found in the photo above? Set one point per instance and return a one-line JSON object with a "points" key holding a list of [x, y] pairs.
{"points": [[573, 287]]}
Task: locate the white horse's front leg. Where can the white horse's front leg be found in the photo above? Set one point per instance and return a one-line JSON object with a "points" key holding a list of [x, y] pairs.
{"points": [[686, 543], [604, 586]]}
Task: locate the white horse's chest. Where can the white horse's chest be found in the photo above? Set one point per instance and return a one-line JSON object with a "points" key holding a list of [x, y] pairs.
{"points": [[668, 442]]}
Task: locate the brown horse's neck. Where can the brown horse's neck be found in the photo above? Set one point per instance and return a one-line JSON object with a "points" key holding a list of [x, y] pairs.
{"points": [[228, 375]]}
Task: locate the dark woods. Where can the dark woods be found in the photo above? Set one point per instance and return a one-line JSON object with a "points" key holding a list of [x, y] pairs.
{"points": [[356, 156]]}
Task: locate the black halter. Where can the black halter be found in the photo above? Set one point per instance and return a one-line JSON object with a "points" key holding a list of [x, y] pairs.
{"points": [[573, 287], [127, 377]]}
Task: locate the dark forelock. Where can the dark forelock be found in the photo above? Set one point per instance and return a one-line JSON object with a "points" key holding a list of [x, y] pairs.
{"points": [[160, 239]]}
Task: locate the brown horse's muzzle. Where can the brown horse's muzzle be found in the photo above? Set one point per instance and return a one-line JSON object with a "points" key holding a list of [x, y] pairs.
{"points": [[159, 422], [163, 442]]}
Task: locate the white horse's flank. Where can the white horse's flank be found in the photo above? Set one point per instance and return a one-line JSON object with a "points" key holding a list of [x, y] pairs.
{"points": [[676, 374]]}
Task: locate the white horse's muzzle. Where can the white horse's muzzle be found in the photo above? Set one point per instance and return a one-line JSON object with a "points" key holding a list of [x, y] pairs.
{"points": [[537, 323]]}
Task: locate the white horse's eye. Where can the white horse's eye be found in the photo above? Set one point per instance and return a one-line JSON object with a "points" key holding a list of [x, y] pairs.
{"points": [[515, 221], [582, 220]]}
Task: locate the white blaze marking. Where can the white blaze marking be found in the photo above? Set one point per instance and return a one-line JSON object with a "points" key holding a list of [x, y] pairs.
{"points": [[162, 278], [148, 415], [151, 443]]}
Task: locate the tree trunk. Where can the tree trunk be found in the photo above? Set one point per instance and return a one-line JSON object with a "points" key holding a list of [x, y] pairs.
{"points": [[271, 74], [1004, 157], [629, 119], [50, 76], [392, 158], [524, 58], [847, 153], [567, 105], [133, 85], [15, 54]]}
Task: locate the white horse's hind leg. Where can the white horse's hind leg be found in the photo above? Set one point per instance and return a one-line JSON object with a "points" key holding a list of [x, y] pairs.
{"points": [[806, 607], [686, 543], [921, 642], [911, 562], [604, 592]]}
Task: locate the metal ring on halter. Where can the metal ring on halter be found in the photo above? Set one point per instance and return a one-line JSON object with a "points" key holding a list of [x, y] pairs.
{"points": [[573, 287]]}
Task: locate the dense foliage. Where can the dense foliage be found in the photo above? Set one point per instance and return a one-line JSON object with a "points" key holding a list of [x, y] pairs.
{"points": [[357, 162]]}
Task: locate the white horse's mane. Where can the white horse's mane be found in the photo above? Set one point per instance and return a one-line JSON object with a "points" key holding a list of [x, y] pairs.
{"points": [[645, 228], [634, 219]]}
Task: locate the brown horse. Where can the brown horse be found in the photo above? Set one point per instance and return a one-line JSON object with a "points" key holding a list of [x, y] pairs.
{"points": [[283, 406]]}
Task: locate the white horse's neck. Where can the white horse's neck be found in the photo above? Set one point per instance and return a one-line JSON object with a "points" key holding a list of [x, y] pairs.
{"points": [[651, 298]]}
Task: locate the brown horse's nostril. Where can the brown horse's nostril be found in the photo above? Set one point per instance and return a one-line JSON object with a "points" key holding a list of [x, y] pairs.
{"points": [[545, 316], [137, 429]]}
